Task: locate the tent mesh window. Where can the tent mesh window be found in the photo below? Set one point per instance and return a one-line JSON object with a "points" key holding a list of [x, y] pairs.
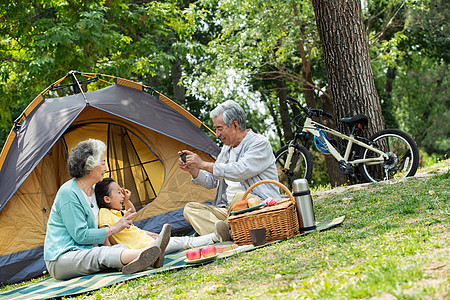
{"points": [[126, 167]]}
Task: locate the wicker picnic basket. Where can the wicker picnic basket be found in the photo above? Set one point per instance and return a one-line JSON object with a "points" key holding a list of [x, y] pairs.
{"points": [[280, 220]]}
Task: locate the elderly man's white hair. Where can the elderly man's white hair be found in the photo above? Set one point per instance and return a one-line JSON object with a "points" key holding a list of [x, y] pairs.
{"points": [[230, 111]]}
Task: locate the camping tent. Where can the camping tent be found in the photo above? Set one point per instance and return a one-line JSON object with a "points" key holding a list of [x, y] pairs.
{"points": [[143, 131]]}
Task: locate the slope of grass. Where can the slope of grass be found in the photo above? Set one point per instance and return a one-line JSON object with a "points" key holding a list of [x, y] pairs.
{"points": [[394, 244]]}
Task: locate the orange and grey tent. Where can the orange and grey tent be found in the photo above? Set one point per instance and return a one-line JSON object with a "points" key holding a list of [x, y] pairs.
{"points": [[143, 131]]}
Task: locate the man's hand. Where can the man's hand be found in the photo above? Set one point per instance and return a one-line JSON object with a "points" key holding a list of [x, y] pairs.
{"points": [[182, 163], [195, 163], [189, 164]]}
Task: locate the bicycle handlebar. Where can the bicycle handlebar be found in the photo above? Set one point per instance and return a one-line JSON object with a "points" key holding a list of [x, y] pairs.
{"points": [[309, 111], [327, 115]]}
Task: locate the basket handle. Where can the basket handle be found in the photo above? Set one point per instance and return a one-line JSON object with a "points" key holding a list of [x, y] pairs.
{"points": [[268, 181]]}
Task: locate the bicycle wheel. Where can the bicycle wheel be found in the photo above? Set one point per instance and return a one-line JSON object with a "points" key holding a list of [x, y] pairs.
{"points": [[301, 165], [402, 152]]}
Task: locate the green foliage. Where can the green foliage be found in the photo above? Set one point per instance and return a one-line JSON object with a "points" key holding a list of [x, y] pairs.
{"points": [[422, 103], [41, 41], [428, 29], [410, 63]]}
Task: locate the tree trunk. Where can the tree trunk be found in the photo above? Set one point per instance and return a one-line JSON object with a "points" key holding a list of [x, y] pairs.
{"points": [[308, 92], [284, 111], [390, 77], [386, 98], [272, 110], [179, 91], [346, 54], [335, 178]]}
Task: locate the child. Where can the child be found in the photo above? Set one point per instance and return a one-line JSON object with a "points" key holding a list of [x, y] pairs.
{"points": [[111, 198]]}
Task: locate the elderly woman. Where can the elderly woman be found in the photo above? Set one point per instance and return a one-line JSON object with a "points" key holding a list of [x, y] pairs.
{"points": [[71, 243]]}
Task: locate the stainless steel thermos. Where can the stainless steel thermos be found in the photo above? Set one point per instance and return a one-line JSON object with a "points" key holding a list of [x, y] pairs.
{"points": [[304, 204]]}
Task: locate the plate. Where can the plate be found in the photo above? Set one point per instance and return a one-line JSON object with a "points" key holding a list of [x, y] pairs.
{"points": [[200, 260], [248, 209]]}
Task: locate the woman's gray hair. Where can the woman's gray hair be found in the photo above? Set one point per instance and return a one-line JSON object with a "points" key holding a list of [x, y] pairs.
{"points": [[84, 157], [230, 111]]}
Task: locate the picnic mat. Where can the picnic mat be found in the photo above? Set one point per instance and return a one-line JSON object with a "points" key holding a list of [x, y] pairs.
{"points": [[51, 288]]}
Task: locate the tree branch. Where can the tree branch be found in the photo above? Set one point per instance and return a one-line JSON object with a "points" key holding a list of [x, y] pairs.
{"points": [[282, 74], [388, 26]]}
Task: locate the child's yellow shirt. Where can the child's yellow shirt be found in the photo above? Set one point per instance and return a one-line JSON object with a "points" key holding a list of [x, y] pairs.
{"points": [[133, 237]]}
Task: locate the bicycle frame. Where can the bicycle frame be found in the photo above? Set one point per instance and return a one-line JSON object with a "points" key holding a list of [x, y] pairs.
{"points": [[389, 153], [313, 127]]}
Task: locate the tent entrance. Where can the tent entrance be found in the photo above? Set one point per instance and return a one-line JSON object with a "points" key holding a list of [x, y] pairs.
{"points": [[127, 167], [130, 160]]}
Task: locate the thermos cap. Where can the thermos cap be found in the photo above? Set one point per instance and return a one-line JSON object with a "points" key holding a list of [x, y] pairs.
{"points": [[300, 185]]}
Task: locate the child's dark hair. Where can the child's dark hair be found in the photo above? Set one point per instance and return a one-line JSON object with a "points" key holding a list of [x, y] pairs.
{"points": [[102, 190]]}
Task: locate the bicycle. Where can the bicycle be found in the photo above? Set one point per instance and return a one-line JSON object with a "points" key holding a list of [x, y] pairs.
{"points": [[388, 154]]}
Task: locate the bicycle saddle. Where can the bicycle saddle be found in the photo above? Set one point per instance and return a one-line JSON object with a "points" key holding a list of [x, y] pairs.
{"points": [[358, 119]]}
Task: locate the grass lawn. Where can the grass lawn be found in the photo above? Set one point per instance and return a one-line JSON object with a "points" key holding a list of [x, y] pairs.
{"points": [[394, 244]]}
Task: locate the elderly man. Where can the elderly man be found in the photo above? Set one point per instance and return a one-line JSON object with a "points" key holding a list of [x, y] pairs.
{"points": [[245, 159]]}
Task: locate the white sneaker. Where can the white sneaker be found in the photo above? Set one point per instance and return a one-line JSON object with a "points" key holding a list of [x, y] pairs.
{"points": [[143, 261], [161, 242]]}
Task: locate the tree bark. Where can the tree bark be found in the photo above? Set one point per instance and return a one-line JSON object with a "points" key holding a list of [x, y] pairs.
{"points": [[308, 92], [346, 54], [179, 91], [272, 110], [386, 98], [390, 77], [284, 111], [335, 178], [350, 77]]}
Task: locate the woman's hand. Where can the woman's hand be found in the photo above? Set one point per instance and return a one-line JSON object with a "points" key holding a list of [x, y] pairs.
{"points": [[152, 234], [107, 242]]}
